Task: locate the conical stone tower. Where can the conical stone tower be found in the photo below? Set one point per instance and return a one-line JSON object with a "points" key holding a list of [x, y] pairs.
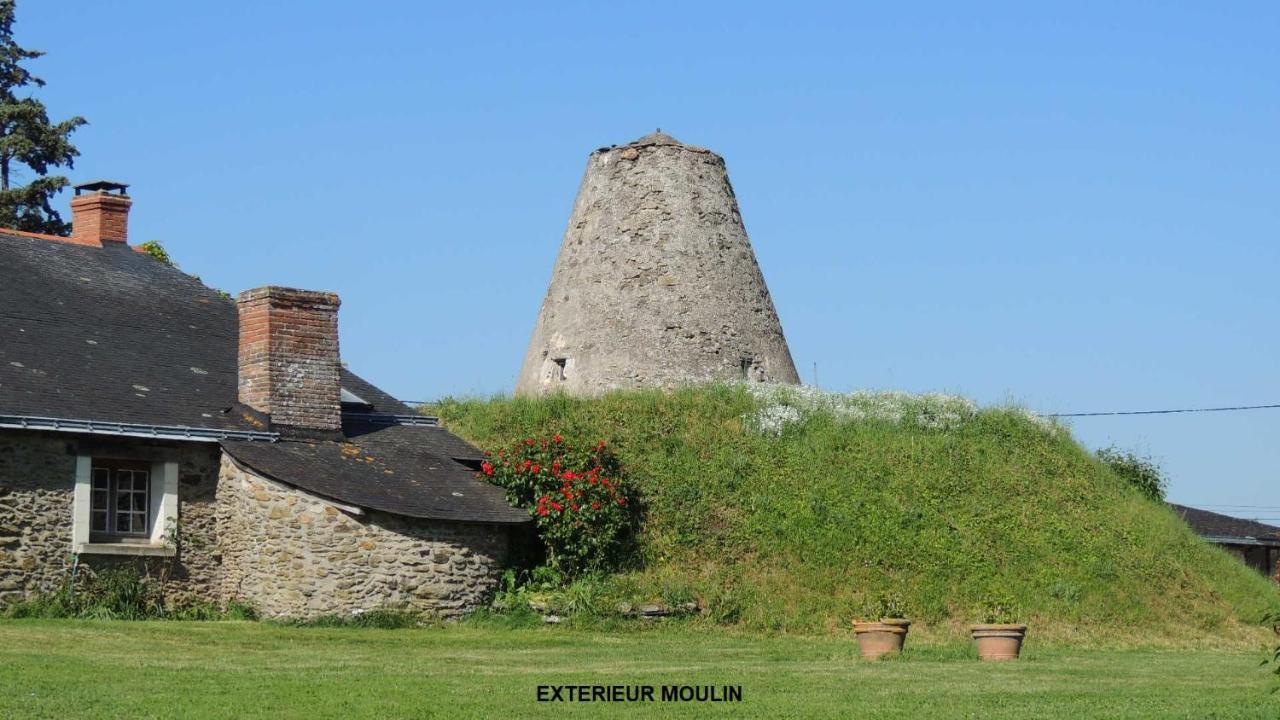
{"points": [[656, 283]]}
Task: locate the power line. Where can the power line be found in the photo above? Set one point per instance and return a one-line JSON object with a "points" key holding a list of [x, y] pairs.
{"points": [[1079, 414], [1164, 412]]}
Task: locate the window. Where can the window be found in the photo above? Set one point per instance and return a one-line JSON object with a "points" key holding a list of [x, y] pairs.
{"points": [[121, 500], [124, 506], [557, 369]]}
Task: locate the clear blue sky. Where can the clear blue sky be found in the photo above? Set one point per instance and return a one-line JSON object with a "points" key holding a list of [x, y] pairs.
{"points": [[1077, 208]]}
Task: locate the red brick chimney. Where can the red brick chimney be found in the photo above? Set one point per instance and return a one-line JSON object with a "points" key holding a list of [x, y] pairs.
{"points": [[100, 213], [289, 362]]}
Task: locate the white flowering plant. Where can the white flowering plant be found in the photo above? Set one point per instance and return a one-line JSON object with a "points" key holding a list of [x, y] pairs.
{"points": [[782, 405]]}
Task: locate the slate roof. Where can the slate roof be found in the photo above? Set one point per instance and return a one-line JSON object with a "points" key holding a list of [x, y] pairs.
{"points": [[1215, 525], [111, 334], [403, 470]]}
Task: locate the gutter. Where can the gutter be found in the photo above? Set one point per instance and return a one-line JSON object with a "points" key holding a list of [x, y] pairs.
{"points": [[157, 432], [386, 419]]}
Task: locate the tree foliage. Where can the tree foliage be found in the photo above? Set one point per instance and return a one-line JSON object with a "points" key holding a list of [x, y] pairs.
{"points": [[1141, 472], [157, 251], [29, 141]]}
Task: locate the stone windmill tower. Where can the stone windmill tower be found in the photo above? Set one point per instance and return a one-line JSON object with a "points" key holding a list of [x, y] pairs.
{"points": [[656, 283]]}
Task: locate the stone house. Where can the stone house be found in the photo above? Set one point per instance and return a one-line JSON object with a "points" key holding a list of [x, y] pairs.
{"points": [[219, 444], [1256, 544]]}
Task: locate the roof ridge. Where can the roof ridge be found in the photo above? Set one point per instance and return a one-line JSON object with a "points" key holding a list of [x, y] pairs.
{"points": [[45, 236]]}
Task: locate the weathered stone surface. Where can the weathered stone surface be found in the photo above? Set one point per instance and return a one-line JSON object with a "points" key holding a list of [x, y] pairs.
{"points": [[288, 354], [241, 537], [307, 558], [37, 483], [656, 283]]}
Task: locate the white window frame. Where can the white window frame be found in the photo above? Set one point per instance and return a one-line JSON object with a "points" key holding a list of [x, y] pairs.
{"points": [[113, 491], [162, 512]]}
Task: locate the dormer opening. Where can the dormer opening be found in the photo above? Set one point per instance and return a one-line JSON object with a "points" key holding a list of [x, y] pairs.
{"points": [[352, 403]]}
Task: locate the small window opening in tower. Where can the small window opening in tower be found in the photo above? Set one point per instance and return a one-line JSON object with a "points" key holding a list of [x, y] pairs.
{"points": [[557, 368], [753, 369]]}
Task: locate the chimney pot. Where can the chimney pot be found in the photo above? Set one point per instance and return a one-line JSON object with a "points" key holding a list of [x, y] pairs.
{"points": [[100, 212]]}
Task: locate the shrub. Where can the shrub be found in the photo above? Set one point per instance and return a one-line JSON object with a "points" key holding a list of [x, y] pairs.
{"points": [[157, 251], [118, 593], [57, 604], [1141, 472], [1001, 608], [577, 495], [240, 611], [121, 593], [519, 589], [884, 606], [585, 596]]}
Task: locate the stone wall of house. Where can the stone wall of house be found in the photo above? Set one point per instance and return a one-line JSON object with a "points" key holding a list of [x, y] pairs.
{"points": [[37, 473], [292, 554], [197, 573], [37, 484]]}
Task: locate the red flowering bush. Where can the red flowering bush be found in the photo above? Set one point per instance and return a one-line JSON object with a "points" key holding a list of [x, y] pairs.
{"points": [[576, 494]]}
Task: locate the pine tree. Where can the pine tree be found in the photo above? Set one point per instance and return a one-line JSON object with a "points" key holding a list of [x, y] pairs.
{"points": [[29, 141]]}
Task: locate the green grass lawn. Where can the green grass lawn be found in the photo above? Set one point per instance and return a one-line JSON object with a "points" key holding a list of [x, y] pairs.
{"points": [[798, 531], [71, 669]]}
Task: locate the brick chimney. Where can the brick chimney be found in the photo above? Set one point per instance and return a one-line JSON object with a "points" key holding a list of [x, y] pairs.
{"points": [[100, 213], [289, 362]]}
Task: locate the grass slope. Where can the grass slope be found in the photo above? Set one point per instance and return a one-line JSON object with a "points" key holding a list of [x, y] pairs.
{"points": [[90, 669], [795, 531]]}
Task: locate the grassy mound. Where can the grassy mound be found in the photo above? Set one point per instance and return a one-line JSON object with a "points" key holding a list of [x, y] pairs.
{"points": [[792, 518]]}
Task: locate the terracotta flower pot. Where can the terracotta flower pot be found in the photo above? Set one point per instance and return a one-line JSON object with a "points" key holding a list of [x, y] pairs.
{"points": [[880, 638], [999, 642]]}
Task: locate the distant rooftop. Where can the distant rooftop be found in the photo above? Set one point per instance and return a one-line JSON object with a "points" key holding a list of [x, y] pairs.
{"points": [[1222, 527]]}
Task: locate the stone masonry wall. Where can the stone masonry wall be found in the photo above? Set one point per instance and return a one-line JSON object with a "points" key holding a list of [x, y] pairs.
{"points": [[37, 483], [37, 474], [656, 283], [292, 554]]}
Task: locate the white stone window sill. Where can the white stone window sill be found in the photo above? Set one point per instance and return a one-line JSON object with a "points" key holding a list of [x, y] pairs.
{"points": [[137, 549]]}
